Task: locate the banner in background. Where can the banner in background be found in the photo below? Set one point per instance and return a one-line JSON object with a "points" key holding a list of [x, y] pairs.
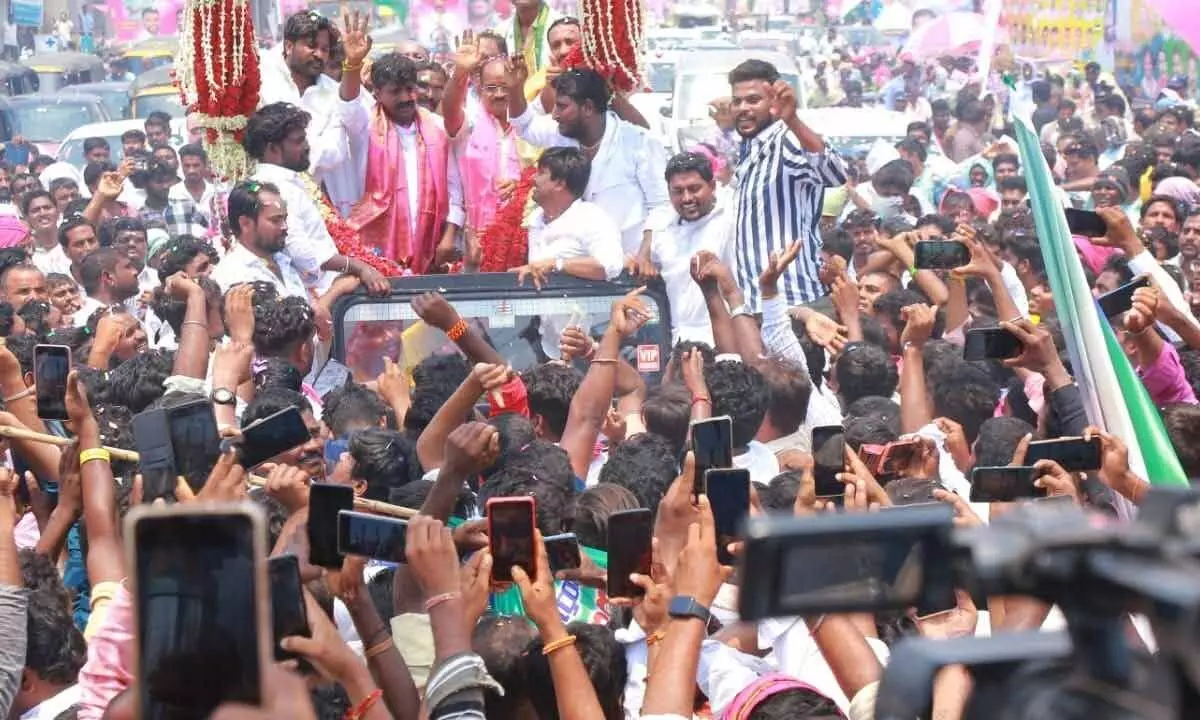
{"points": [[27, 12], [1055, 29], [125, 18], [1146, 51]]}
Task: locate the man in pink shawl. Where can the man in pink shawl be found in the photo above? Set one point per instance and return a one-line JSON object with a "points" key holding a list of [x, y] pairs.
{"points": [[401, 152], [485, 147]]}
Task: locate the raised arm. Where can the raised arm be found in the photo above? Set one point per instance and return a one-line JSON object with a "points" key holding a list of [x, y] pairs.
{"points": [[106, 552], [466, 62]]}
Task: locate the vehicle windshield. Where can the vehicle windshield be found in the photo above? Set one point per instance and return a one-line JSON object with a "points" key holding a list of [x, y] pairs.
{"points": [[170, 103], [116, 102], [50, 122], [372, 329], [696, 91], [661, 77], [140, 64]]}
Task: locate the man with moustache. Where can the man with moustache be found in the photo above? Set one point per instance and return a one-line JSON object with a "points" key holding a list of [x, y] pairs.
{"points": [[701, 221], [277, 140], [295, 73], [779, 184], [402, 159]]}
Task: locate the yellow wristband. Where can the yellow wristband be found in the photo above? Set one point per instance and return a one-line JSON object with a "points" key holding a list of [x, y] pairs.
{"points": [[558, 644], [94, 454]]}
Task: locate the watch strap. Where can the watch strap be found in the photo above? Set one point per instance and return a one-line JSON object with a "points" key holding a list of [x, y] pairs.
{"points": [[686, 607]]}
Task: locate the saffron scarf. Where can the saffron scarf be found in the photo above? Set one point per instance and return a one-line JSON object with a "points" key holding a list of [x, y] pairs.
{"points": [[531, 48]]}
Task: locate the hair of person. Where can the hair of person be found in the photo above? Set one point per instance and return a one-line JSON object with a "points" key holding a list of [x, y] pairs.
{"points": [[383, 459], [565, 20], [752, 70], [353, 406], [604, 659], [393, 69], [195, 150], [110, 229], [280, 327], [1014, 182], [277, 372], [180, 252], [172, 311], [863, 370], [567, 165], [138, 381], [495, 37], [859, 218], [271, 125], [306, 25], [739, 391], [789, 389], [1170, 202], [434, 380], [919, 126], [502, 643], [94, 143], [244, 202], [55, 650], [271, 400], [133, 135], [550, 388], [644, 464], [1006, 159], [430, 66], [516, 432], [94, 265], [689, 162], [591, 509], [28, 198], [998, 439], [667, 413], [158, 118], [969, 399], [93, 171], [541, 470], [584, 85], [913, 146]]}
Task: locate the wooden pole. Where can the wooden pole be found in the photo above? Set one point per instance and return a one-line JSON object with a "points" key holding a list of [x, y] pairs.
{"points": [[375, 507]]}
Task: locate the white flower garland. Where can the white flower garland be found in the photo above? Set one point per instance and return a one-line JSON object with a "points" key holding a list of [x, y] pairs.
{"points": [[599, 14]]}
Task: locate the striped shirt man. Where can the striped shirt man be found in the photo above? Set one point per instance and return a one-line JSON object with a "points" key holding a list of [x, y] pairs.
{"points": [[779, 188]]}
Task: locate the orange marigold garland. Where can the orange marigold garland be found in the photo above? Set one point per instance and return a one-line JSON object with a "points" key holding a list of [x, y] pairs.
{"points": [[217, 73], [613, 41], [504, 244]]}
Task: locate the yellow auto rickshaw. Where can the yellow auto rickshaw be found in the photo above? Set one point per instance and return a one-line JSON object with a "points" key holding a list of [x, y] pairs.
{"points": [[150, 54], [59, 69], [16, 79], [155, 90]]}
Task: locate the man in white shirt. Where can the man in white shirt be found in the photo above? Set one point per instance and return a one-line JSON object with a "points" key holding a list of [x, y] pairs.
{"points": [[295, 73], [627, 161], [40, 213], [109, 278], [700, 221], [276, 138], [258, 218], [567, 234]]}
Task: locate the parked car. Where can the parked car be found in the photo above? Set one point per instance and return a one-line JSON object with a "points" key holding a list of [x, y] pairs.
{"points": [[46, 119], [150, 54], [16, 79], [115, 94], [60, 69], [71, 149]]}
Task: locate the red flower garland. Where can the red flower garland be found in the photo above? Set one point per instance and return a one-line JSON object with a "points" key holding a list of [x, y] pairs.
{"points": [[612, 36], [504, 244], [349, 243]]}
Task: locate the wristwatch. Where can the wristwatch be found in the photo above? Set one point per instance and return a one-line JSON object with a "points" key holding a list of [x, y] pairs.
{"points": [[685, 607], [223, 396]]}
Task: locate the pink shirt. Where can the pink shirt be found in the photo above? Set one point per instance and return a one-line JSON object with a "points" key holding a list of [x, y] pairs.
{"points": [[109, 667], [1165, 379]]}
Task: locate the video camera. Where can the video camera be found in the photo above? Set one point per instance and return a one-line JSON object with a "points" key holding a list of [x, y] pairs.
{"points": [[1094, 569]]}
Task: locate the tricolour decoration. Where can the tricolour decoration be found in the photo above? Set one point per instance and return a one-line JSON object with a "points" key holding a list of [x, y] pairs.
{"points": [[217, 73], [613, 41], [504, 244]]}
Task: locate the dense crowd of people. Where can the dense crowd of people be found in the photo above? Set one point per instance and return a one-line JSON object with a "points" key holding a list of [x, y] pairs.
{"points": [[795, 302]]}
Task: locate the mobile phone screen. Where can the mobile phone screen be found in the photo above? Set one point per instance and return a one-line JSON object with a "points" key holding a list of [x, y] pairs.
{"points": [[51, 365], [1073, 454], [289, 616], [197, 629], [991, 344], [712, 445], [941, 254], [563, 552], [1120, 300], [897, 456], [381, 538], [195, 441], [273, 435], [1086, 223], [728, 492], [156, 457], [334, 450], [1004, 484], [629, 550], [325, 501], [16, 154], [829, 459], [510, 536]]}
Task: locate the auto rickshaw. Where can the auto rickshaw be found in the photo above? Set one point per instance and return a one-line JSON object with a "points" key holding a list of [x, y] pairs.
{"points": [[60, 69], [150, 54], [16, 79], [155, 90]]}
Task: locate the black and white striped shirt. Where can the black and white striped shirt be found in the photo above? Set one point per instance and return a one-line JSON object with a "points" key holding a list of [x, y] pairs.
{"points": [[779, 188]]}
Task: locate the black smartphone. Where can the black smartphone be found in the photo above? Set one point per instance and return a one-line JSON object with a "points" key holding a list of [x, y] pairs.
{"points": [[847, 562], [941, 255], [195, 440], [1086, 223], [712, 446], [1074, 454], [562, 551], [289, 615], [272, 435], [728, 491], [829, 459], [630, 550], [51, 365], [156, 457], [1004, 484], [994, 343], [373, 536], [325, 501], [511, 522], [1120, 300], [202, 612]]}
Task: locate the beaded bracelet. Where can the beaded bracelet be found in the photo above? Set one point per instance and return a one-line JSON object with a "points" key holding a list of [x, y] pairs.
{"points": [[457, 330]]}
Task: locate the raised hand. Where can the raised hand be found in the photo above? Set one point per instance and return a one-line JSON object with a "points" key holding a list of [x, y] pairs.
{"points": [[779, 263], [630, 312], [517, 72], [467, 57], [783, 102], [918, 324], [356, 39]]}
